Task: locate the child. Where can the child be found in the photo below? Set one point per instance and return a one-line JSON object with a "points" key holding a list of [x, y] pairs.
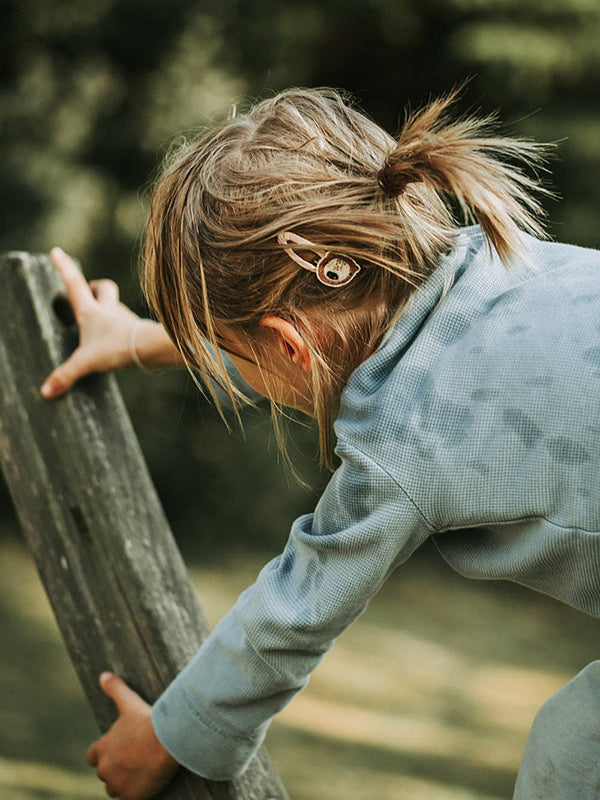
{"points": [[300, 252]]}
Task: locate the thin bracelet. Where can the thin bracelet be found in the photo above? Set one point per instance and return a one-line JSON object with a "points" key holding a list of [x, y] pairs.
{"points": [[132, 349]]}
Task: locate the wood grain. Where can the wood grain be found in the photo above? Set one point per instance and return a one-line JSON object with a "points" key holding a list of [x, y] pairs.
{"points": [[92, 518]]}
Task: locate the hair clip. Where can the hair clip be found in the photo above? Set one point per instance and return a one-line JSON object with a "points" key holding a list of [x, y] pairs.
{"points": [[331, 269]]}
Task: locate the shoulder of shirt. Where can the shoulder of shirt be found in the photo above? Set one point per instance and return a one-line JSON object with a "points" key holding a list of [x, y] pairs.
{"points": [[387, 408], [364, 481]]}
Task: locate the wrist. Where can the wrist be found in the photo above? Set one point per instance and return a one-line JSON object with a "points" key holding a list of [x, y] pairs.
{"points": [[161, 756]]}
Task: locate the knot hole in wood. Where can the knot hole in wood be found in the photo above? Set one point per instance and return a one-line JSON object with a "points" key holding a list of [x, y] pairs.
{"points": [[64, 310]]}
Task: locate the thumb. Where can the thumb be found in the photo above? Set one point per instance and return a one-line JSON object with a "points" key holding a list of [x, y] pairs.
{"points": [[63, 377], [118, 691]]}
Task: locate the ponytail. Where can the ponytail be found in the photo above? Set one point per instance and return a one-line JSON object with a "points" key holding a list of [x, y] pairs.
{"points": [[462, 158], [305, 164]]}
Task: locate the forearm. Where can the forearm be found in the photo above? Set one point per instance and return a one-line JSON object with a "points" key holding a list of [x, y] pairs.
{"points": [[154, 347], [214, 715]]}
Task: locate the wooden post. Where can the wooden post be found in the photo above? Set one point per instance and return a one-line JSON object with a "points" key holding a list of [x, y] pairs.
{"points": [[91, 516]]}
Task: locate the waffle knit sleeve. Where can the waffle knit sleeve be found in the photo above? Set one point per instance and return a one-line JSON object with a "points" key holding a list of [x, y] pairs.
{"points": [[215, 714]]}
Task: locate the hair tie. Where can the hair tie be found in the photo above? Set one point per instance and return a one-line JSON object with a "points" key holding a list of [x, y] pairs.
{"points": [[387, 186], [331, 269]]}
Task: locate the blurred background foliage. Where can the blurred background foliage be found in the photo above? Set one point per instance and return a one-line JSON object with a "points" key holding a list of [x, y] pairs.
{"points": [[93, 93]]}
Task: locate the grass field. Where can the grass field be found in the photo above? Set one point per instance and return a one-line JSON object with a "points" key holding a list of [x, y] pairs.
{"points": [[429, 696]]}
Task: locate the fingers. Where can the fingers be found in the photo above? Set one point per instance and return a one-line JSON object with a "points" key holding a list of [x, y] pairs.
{"points": [[81, 292], [93, 758], [118, 691], [63, 377], [105, 291], [92, 755], [78, 289], [107, 787]]}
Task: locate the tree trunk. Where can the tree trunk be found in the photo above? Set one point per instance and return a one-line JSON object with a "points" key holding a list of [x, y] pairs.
{"points": [[91, 516]]}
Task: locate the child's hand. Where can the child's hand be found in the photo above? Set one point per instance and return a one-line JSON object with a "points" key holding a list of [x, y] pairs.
{"points": [[129, 758], [104, 327]]}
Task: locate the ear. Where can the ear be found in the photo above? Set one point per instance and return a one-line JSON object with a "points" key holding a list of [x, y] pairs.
{"points": [[290, 340]]}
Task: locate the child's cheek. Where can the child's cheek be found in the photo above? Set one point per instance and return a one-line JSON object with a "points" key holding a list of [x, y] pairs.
{"points": [[251, 374]]}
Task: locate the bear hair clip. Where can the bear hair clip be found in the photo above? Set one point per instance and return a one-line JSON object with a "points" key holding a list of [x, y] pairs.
{"points": [[331, 269]]}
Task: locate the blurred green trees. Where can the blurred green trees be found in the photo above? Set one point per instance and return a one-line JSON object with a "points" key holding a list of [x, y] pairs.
{"points": [[93, 92]]}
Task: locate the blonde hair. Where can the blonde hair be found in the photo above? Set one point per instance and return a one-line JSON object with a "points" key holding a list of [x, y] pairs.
{"points": [[306, 162]]}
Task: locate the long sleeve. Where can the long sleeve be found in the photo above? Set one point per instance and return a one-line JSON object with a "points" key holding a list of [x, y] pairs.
{"points": [[215, 714]]}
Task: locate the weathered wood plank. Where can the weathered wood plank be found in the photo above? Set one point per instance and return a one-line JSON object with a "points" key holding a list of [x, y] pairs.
{"points": [[91, 516]]}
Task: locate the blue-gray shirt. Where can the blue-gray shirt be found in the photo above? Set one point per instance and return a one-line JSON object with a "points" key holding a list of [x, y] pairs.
{"points": [[477, 423]]}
